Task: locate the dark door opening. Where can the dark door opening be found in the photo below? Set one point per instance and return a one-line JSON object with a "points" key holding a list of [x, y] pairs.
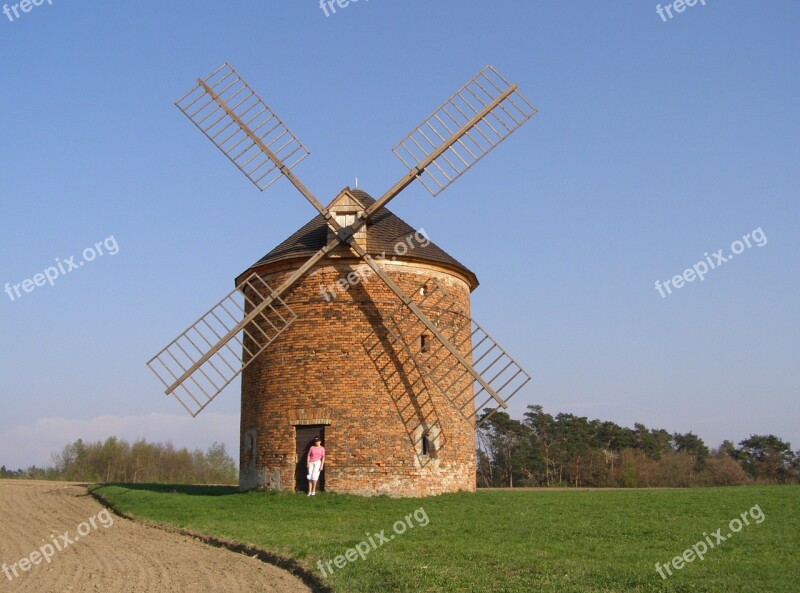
{"points": [[303, 440]]}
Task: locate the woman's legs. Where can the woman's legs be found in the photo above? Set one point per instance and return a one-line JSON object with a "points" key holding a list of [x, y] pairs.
{"points": [[313, 473]]}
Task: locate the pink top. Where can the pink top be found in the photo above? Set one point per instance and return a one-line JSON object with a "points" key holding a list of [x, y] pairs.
{"points": [[315, 454]]}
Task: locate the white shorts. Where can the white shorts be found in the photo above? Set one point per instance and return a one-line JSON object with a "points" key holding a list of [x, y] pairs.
{"points": [[313, 470]]}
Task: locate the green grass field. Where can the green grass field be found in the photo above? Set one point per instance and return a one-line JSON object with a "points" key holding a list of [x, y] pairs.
{"points": [[520, 541]]}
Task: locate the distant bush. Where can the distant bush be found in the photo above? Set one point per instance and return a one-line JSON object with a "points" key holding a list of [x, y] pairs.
{"points": [[116, 460]]}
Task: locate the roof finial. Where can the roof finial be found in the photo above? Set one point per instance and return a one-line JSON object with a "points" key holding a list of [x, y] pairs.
{"points": [[356, 181]]}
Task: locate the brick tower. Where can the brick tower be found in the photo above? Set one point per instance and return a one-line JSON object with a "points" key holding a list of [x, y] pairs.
{"points": [[338, 373]]}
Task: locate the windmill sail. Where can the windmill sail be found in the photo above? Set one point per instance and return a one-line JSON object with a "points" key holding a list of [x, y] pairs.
{"points": [[197, 365], [242, 126], [480, 115], [502, 376]]}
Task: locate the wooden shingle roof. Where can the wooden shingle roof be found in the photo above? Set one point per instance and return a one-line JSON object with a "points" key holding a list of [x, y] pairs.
{"points": [[384, 231]]}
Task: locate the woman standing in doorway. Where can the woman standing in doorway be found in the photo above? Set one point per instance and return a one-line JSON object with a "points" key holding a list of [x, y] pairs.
{"points": [[315, 463]]}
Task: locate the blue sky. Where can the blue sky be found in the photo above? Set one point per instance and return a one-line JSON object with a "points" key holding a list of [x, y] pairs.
{"points": [[656, 142]]}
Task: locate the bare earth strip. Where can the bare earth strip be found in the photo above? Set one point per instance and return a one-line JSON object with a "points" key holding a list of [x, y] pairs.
{"points": [[122, 556]]}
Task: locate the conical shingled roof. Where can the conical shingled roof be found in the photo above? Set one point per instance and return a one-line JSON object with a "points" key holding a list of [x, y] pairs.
{"points": [[384, 231]]}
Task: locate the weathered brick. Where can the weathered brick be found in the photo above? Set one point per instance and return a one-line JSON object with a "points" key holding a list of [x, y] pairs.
{"points": [[374, 404]]}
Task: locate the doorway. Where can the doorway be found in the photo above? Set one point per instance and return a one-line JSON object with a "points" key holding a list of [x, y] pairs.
{"points": [[304, 438]]}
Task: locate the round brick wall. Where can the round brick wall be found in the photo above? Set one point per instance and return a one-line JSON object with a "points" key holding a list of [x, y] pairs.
{"points": [[337, 366]]}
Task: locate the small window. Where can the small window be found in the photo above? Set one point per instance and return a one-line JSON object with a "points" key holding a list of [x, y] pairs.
{"points": [[424, 342], [250, 451], [426, 443], [345, 219]]}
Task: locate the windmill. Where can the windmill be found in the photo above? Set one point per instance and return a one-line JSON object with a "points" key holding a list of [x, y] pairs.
{"points": [[472, 371]]}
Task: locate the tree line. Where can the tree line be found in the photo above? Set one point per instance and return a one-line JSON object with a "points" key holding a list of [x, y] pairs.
{"points": [[569, 450], [116, 460], [539, 450]]}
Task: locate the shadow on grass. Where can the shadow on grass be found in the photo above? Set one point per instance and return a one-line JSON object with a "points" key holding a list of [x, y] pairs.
{"points": [[219, 490], [190, 489]]}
